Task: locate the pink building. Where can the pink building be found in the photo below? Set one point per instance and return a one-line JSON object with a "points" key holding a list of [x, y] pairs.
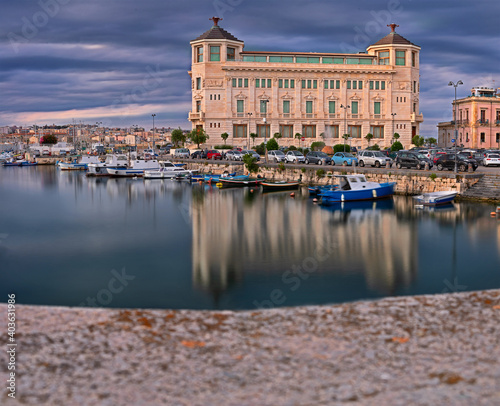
{"points": [[478, 120]]}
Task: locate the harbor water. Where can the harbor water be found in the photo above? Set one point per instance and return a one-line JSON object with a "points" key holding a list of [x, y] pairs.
{"points": [[69, 240]]}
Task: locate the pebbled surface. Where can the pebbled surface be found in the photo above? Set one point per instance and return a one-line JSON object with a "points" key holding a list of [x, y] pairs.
{"points": [[423, 350]]}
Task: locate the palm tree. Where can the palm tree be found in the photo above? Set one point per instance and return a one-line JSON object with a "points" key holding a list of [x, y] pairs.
{"points": [[368, 138]]}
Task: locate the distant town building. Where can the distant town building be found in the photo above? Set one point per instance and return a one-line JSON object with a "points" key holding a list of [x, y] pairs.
{"points": [[321, 96], [478, 120]]}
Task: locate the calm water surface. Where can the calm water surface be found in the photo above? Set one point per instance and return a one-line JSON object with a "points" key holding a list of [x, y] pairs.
{"points": [[70, 240]]}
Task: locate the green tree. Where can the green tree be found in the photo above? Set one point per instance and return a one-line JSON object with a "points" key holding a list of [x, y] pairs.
{"points": [[49, 139], [277, 135], [369, 137], [417, 140], [272, 144], [225, 136], [251, 163], [341, 148], [178, 137], [253, 136], [260, 149], [396, 136], [198, 136], [432, 141]]}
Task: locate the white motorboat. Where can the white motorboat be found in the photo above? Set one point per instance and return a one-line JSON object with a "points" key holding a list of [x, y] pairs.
{"points": [[167, 171], [113, 161], [80, 165], [136, 168], [433, 198]]}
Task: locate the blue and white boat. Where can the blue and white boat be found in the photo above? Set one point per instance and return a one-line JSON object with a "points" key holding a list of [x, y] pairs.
{"points": [[433, 198], [317, 190], [212, 178], [356, 187], [81, 165], [167, 170]]}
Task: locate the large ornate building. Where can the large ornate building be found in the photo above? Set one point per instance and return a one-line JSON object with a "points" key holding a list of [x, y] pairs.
{"points": [[477, 121], [320, 96]]}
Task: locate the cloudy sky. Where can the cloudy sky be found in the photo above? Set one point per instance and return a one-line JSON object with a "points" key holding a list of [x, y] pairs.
{"points": [[119, 61]]}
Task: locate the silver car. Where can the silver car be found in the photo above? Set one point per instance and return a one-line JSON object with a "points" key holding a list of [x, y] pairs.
{"points": [[295, 157], [182, 153], [373, 158], [276, 156], [251, 152]]}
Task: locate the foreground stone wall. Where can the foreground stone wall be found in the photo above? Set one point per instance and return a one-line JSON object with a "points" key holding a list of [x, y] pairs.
{"points": [[422, 350], [407, 181]]}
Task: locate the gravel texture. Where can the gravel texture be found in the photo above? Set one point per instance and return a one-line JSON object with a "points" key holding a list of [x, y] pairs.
{"points": [[424, 350]]}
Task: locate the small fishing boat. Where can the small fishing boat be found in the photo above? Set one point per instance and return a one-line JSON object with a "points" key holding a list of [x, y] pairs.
{"points": [[238, 181], [81, 165], [136, 168], [167, 170], [212, 178], [111, 161], [356, 187], [433, 198], [317, 190], [280, 185]]}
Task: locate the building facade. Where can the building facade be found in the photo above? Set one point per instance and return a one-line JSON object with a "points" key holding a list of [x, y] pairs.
{"points": [[477, 119], [320, 96]]}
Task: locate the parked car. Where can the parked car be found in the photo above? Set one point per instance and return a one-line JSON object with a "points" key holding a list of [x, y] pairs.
{"points": [[318, 157], [233, 155], [354, 150], [447, 161], [410, 159], [214, 154], [476, 156], [199, 154], [436, 156], [373, 158], [389, 153], [491, 159], [251, 152], [295, 157], [276, 155], [344, 158], [425, 152], [182, 153]]}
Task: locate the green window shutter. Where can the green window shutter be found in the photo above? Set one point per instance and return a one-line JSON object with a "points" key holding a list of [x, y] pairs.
{"points": [[348, 84], [382, 85], [246, 82], [286, 83], [263, 106], [303, 84], [240, 82], [371, 84], [280, 83], [257, 82], [315, 84], [354, 107], [234, 82], [377, 85], [215, 53], [376, 108], [309, 84], [326, 84], [263, 82], [360, 85], [354, 84], [309, 107], [292, 83], [337, 84], [286, 106], [240, 106], [331, 107], [269, 83]]}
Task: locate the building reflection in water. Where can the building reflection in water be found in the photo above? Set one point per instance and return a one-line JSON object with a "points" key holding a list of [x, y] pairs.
{"points": [[237, 232]]}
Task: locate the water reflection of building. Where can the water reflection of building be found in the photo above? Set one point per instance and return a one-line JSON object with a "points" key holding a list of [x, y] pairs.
{"points": [[274, 232]]}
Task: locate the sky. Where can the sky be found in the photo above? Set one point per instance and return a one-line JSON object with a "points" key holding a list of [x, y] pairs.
{"points": [[120, 61]]}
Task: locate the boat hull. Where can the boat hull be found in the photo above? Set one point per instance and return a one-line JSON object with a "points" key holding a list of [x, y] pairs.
{"points": [[277, 186], [383, 191], [436, 198], [224, 182]]}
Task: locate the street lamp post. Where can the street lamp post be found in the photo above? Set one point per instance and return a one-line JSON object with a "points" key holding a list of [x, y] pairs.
{"points": [[265, 130], [345, 121], [455, 85], [248, 136], [392, 138], [153, 115]]}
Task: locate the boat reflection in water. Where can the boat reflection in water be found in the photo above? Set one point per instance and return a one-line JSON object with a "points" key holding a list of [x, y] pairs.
{"points": [[247, 235]]}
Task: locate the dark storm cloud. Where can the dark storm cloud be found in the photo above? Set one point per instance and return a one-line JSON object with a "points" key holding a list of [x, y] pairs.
{"points": [[63, 55]]}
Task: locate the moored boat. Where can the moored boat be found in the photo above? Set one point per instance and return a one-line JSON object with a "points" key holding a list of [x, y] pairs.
{"points": [[316, 190], [111, 161], [238, 181], [280, 185], [167, 170], [80, 165], [356, 187], [136, 168], [433, 198]]}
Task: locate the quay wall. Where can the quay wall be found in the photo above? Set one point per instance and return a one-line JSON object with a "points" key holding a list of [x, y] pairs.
{"points": [[408, 182]]}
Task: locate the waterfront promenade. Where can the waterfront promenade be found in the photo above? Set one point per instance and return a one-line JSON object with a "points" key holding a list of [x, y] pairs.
{"points": [[422, 350]]}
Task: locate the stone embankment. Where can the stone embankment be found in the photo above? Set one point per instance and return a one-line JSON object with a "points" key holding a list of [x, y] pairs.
{"points": [[408, 182], [422, 350]]}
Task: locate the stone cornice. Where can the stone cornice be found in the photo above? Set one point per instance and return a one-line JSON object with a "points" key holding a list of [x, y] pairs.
{"points": [[296, 70]]}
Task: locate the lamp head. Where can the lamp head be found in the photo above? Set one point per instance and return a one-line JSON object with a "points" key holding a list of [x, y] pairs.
{"points": [[451, 84], [460, 82]]}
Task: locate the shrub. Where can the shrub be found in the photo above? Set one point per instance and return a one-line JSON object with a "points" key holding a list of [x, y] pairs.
{"points": [[223, 147], [281, 167], [251, 163], [272, 145], [292, 148], [303, 170], [260, 149], [396, 146], [433, 177], [317, 146], [340, 148], [320, 173]]}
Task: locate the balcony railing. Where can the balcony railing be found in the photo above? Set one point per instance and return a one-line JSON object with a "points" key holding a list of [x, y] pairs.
{"points": [[200, 115], [483, 122], [286, 115], [416, 117], [333, 115], [311, 115]]}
